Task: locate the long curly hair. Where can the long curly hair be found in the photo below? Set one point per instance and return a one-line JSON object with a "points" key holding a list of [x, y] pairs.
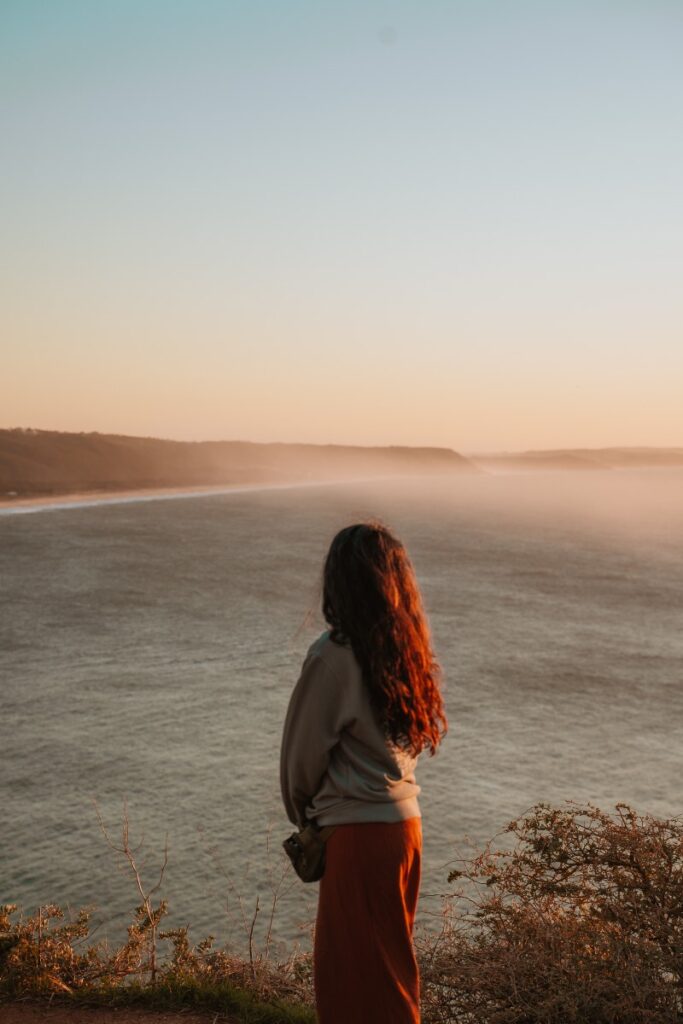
{"points": [[371, 601]]}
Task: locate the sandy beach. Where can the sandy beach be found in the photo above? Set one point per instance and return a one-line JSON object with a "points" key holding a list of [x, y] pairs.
{"points": [[85, 499]]}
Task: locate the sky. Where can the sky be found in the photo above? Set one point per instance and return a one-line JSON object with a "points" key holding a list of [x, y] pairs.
{"points": [[432, 223]]}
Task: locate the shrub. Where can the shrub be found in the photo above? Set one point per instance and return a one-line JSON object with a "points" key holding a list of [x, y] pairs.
{"points": [[39, 956], [580, 922]]}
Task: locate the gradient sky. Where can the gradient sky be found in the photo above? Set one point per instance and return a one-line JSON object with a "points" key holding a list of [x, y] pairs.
{"points": [[454, 223]]}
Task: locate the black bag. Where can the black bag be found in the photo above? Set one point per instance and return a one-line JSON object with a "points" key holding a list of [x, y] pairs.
{"points": [[306, 850]]}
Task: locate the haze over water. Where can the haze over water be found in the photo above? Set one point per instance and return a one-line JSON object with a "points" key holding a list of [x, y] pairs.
{"points": [[148, 652]]}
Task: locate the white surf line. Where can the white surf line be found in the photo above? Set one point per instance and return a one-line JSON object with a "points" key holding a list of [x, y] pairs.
{"points": [[129, 499]]}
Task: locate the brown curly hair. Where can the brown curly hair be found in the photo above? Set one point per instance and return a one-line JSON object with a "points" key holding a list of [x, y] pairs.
{"points": [[371, 601]]}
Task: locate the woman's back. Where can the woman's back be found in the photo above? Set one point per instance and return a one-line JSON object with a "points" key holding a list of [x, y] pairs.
{"points": [[358, 774]]}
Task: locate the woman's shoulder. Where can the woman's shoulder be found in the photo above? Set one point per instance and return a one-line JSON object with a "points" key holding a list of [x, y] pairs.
{"points": [[337, 655]]}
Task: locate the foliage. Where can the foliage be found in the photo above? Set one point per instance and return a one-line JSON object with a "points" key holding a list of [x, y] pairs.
{"points": [[580, 922], [39, 956]]}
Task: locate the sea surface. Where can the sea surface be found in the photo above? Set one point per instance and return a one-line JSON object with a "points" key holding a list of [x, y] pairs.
{"points": [[148, 651]]}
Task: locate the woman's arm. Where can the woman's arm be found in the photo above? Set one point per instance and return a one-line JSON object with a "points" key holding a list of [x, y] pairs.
{"points": [[318, 711]]}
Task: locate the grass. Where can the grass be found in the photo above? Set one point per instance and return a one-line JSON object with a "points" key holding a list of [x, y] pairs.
{"points": [[183, 994]]}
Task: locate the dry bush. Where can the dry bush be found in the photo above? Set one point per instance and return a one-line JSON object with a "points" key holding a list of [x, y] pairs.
{"points": [[269, 980], [40, 954], [44, 955], [580, 922]]}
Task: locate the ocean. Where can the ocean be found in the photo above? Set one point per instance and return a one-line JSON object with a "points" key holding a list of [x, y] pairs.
{"points": [[148, 650]]}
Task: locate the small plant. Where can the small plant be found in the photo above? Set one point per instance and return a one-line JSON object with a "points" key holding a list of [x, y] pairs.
{"points": [[140, 953], [40, 955]]}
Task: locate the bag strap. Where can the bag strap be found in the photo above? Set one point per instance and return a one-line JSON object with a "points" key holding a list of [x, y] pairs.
{"points": [[326, 832]]}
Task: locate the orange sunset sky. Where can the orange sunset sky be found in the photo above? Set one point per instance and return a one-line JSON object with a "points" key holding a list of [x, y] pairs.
{"points": [[434, 223]]}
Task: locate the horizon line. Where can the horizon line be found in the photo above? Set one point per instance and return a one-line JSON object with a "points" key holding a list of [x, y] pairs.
{"points": [[468, 453]]}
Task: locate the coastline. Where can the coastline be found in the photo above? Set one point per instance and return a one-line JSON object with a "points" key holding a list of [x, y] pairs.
{"points": [[85, 499], [93, 499]]}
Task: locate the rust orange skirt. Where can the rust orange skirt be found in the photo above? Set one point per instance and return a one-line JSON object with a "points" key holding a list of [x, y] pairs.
{"points": [[365, 970]]}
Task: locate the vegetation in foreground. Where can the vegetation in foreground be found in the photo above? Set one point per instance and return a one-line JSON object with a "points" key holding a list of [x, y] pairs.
{"points": [[576, 917]]}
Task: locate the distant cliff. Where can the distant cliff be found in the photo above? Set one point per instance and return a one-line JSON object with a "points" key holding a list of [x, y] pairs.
{"points": [[582, 458], [44, 462]]}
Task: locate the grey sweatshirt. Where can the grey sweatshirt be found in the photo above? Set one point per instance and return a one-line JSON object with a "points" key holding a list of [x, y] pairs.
{"points": [[336, 766]]}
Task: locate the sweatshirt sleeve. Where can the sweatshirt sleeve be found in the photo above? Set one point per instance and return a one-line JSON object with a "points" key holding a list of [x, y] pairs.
{"points": [[318, 711]]}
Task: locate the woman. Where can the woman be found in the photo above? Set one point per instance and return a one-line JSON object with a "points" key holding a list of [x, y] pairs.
{"points": [[366, 704]]}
